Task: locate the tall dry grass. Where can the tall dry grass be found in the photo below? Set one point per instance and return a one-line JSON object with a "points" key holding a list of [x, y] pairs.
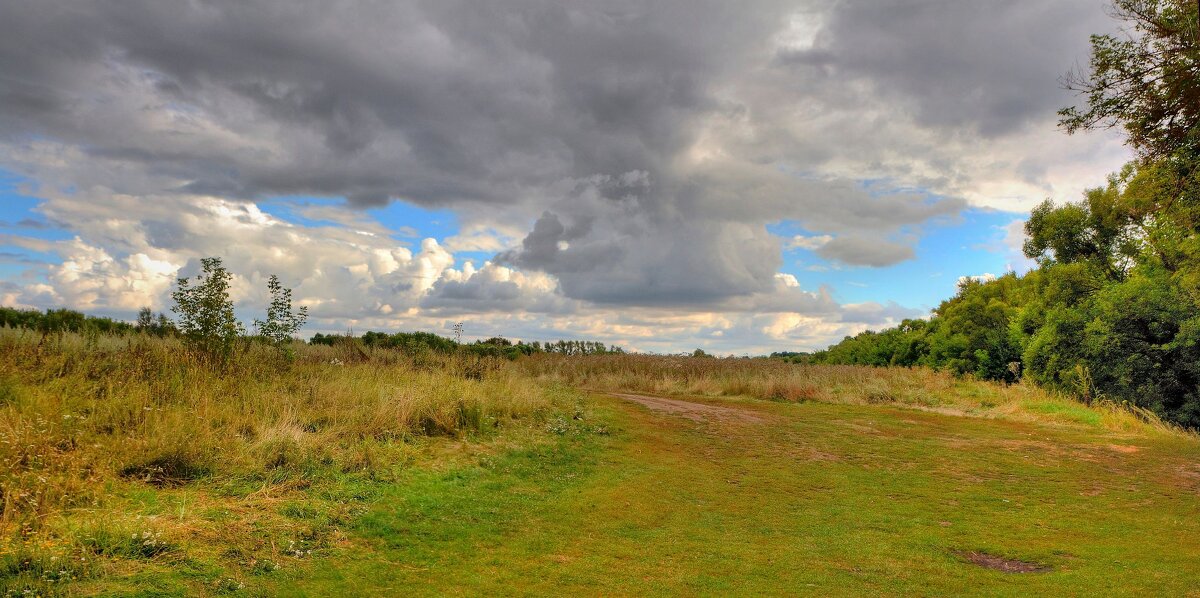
{"points": [[79, 413]]}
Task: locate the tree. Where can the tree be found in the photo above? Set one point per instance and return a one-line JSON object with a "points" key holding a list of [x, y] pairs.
{"points": [[165, 326], [282, 323], [206, 317], [1111, 310], [1146, 81], [1106, 230], [147, 323], [971, 333], [145, 320]]}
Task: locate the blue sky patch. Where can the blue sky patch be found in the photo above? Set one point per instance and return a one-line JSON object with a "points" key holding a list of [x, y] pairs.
{"points": [[970, 245]]}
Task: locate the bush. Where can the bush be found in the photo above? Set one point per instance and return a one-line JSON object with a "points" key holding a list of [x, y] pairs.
{"points": [[282, 323], [206, 317]]}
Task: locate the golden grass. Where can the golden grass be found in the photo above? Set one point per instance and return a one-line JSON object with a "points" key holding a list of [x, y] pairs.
{"points": [[86, 421]]}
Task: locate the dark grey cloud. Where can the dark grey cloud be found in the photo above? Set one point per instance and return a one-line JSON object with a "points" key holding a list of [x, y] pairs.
{"points": [[430, 102], [671, 261], [992, 67], [865, 251]]}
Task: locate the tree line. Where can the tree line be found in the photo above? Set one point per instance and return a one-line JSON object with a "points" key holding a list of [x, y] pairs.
{"points": [[1112, 308], [496, 346]]}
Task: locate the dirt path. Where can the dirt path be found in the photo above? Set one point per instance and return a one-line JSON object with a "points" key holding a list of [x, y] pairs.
{"points": [[698, 412]]}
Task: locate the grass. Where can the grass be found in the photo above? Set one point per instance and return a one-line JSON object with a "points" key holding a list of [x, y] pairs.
{"points": [[775, 380], [822, 499], [134, 433], [131, 470]]}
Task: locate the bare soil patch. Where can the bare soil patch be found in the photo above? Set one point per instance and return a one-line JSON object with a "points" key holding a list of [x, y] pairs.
{"points": [[999, 563], [1124, 448], [698, 412]]}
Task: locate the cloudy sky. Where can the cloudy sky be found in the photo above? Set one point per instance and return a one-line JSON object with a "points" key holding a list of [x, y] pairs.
{"points": [[664, 175]]}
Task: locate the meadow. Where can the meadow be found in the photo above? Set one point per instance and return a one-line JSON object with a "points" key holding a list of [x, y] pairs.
{"points": [[133, 468]]}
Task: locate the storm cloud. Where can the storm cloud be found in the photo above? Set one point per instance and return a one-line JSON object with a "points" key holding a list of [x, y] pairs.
{"points": [[989, 68]]}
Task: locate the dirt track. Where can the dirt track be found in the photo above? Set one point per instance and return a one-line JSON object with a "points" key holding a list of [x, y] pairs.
{"points": [[698, 412]]}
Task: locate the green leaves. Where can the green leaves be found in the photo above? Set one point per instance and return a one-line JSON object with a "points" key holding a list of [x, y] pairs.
{"points": [[1147, 82], [282, 322], [206, 318]]}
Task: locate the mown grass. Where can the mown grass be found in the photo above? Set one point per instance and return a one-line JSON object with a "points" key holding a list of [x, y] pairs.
{"points": [[131, 469], [816, 499]]}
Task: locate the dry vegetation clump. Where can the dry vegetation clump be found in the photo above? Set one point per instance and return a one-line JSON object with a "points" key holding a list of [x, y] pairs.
{"points": [[87, 421], [777, 380]]}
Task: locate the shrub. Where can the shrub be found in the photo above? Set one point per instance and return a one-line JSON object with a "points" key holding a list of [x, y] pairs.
{"points": [[206, 317], [282, 323]]}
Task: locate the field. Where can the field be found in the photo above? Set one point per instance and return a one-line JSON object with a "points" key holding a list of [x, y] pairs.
{"points": [[130, 469]]}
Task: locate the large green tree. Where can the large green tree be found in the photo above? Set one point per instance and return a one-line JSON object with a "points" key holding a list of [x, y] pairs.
{"points": [[1146, 79]]}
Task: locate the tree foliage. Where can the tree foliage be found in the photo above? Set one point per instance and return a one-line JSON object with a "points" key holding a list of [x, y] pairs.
{"points": [[148, 323], [1146, 80], [61, 320], [1111, 310], [282, 321], [206, 318]]}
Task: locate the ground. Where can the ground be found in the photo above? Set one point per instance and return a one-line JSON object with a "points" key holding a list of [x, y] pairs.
{"points": [[687, 496]]}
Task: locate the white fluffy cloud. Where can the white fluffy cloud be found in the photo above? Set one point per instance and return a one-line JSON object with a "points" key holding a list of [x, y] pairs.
{"points": [[354, 278], [985, 277], [811, 243]]}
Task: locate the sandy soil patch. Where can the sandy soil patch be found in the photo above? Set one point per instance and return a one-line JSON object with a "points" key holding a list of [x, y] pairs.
{"points": [[698, 412]]}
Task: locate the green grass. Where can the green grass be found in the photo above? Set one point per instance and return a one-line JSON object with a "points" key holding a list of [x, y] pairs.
{"points": [[126, 463], [1063, 411], [822, 500]]}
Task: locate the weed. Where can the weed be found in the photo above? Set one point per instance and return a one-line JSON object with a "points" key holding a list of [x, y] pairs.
{"points": [[173, 467], [208, 476], [878, 395], [10, 391], [121, 543]]}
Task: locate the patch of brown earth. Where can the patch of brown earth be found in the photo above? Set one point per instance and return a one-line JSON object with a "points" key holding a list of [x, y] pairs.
{"points": [[698, 412], [999, 563], [1124, 448], [861, 428], [816, 455]]}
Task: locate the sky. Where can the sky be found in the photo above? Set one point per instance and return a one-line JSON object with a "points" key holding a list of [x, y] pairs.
{"points": [[741, 177]]}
